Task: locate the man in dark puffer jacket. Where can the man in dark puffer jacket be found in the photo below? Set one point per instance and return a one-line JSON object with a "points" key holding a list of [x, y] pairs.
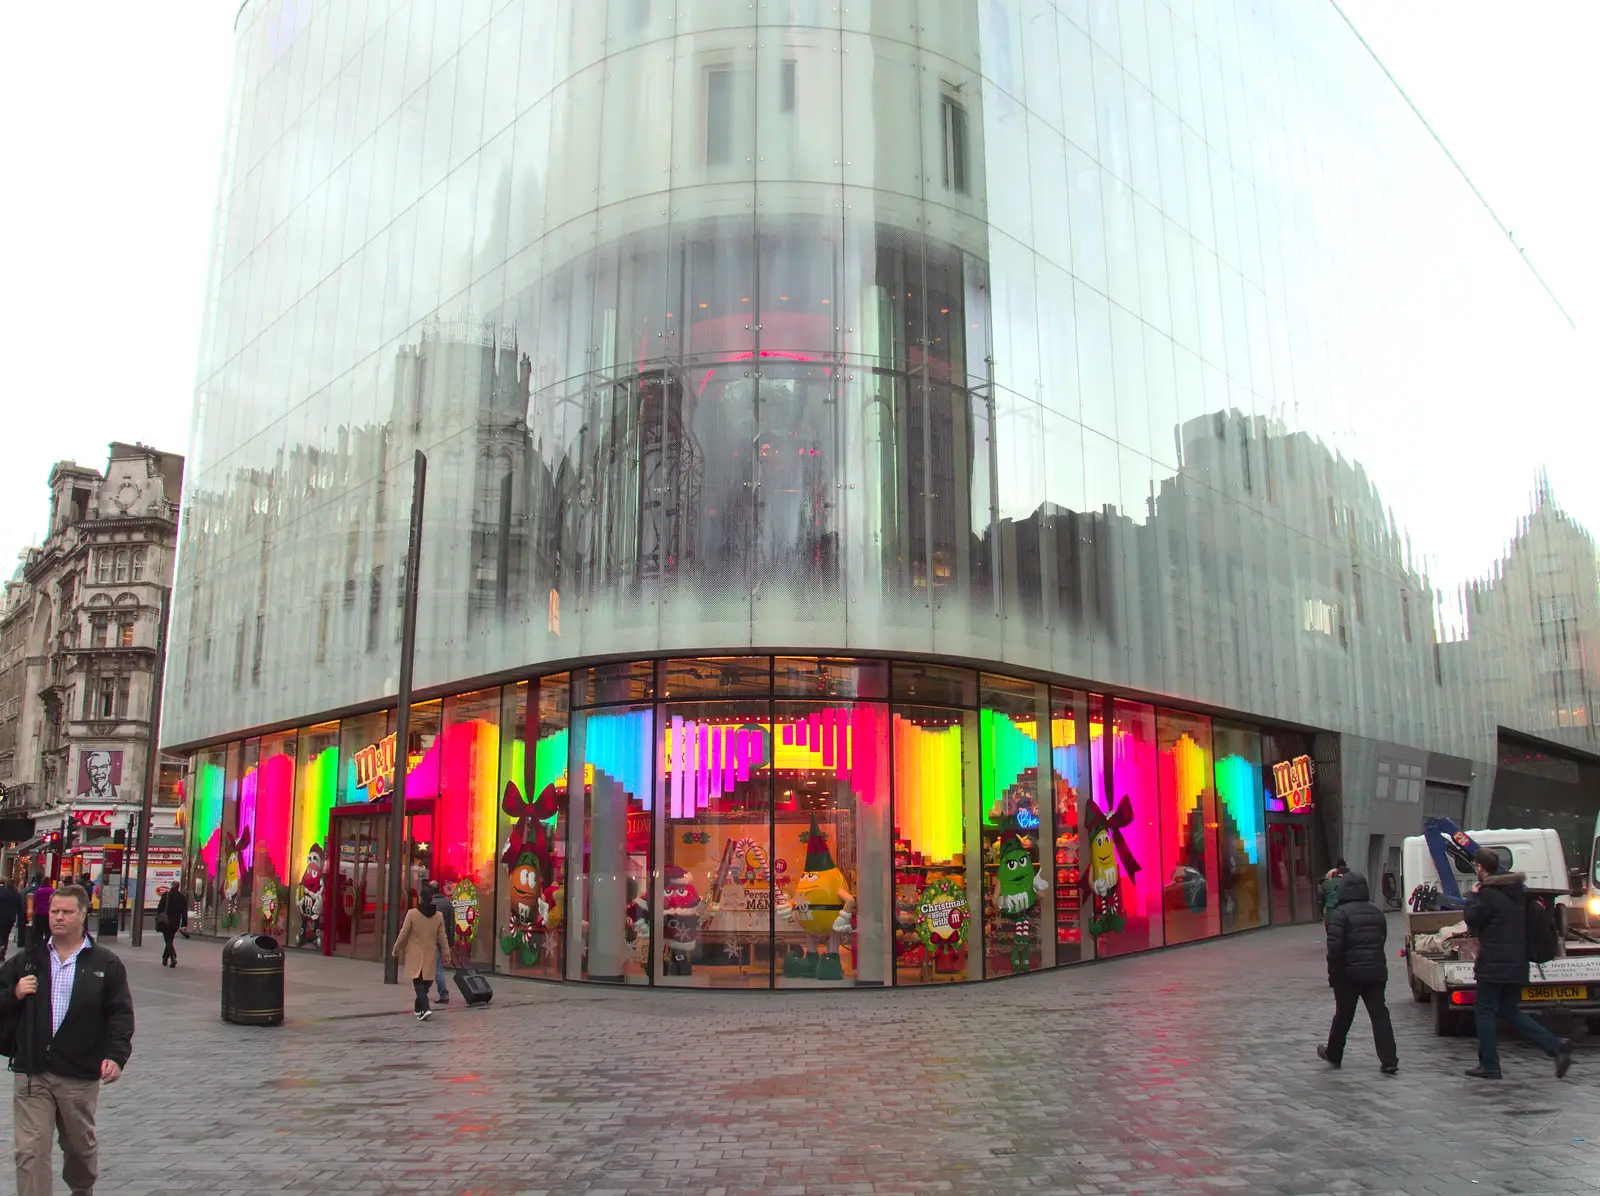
{"points": [[1497, 914], [1358, 970]]}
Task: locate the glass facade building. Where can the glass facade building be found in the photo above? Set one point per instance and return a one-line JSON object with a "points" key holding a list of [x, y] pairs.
{"points": [[874, 446]]}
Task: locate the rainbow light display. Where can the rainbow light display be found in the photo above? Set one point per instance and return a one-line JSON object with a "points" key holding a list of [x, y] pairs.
{"points": [[705, 760], [319, 776], [464, 829], [1063, 738], [205, 828], [1134, 760], [844, 741], [928, 787], [1239, 786], [1183, 775], [549, 762], [247, 817], [619, 745], [274, 807], [1008, 749]]}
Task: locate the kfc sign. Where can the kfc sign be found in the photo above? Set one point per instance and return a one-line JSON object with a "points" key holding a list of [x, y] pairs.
{"points": [[94, 817]]}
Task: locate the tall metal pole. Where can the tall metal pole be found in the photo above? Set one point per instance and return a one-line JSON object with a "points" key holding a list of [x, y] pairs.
{"points": [[153, 767], [402, 727]]}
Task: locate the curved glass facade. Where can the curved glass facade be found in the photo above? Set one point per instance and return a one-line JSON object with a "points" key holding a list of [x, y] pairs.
{"points": [[1145, 347]]}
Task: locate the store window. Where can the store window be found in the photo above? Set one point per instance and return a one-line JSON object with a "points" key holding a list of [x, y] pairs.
{"points": [[611, 920], [531, 905], [1190, 874], [716, 891], [1123, 863], [466, 819], [205, 836], [238, 809], [316, 789], [716, 677], [424, 767], [366, 755], [1069, 758], [1241, 829], [1017, 906], [830, 677], [266, 854], [831, 848], [937, 878]]}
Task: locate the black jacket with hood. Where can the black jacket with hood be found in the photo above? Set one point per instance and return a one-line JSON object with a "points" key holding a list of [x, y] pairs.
{"points": [[99, 1021], [1496, 913], [1357, 932]]}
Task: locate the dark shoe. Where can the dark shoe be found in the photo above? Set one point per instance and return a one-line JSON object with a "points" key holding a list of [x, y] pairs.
{"points": [[442, 999], [1563, 1057], [1390, 1069], [1477, 1073], [1322, 1053]]}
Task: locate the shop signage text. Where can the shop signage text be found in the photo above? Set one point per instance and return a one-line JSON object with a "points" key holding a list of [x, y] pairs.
{"points": [[1293, 781], [94, 817], [375, 767]]}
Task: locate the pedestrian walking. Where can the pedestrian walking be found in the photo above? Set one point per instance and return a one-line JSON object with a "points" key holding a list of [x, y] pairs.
{"points": [[447, 911], [42, 893], [1497, 914], [1358, 971], [1330, 888], [11, 913], [172, 915], [25, 922], [66, 1020], [421, 940]]}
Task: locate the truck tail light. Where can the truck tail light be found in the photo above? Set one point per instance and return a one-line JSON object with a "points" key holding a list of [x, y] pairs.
{"points": [[1463, 996]]}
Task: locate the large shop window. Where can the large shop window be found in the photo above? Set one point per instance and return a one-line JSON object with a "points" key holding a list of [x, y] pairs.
{"points": [[1121, 828], [611, 927], [1069, 759], [937, 878], [462, 857], [831, 845], [267, 822], [532, 892], [233, 884], [1190, 880], [1241, 827], [1016, 823], [205, 836], [316, 786]]}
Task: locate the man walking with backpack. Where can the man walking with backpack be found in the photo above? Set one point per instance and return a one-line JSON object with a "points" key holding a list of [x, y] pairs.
{"points": [[1499, 912], [1358, 971]]}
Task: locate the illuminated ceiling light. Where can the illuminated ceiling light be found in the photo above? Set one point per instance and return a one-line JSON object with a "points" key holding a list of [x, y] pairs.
{"points": [[702, 307]]}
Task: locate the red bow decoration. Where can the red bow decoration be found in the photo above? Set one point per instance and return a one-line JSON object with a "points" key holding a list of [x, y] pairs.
{"points": [[1121, 816], [528, 830]]}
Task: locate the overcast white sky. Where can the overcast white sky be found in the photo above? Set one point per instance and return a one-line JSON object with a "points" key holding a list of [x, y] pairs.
{"points": [[111, 124]]}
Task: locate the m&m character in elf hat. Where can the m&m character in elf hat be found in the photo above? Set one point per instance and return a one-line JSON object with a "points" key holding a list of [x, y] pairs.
{"points": [[680, 920], [822, 908]]}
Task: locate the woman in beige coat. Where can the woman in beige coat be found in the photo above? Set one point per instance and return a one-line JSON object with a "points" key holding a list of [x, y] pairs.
{"points": [[422, 937]]}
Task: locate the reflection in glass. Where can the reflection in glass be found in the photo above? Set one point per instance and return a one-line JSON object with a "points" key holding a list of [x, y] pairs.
{"points": [[315, 787]]}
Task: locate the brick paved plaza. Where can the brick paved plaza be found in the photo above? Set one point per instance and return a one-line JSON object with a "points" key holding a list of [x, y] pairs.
{"points": [[1186, 1070]]}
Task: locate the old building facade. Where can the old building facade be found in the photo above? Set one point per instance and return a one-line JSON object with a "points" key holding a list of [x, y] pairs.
{"points": [[80, 638]]}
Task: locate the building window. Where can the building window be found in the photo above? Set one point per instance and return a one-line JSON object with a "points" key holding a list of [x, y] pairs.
{"points": [[138, 564], [788, 88], [123, 562], [124, 684], [954, 129], [719, 117], [97, 631], [125, 632], [105, 698], [102, 567]]}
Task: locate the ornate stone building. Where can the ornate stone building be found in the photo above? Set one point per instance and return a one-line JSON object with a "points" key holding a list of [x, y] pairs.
{"points": [[80, 634]]}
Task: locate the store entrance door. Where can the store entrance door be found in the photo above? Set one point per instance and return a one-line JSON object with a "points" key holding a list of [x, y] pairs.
{"points": [[359, 870], [1307, 888]]}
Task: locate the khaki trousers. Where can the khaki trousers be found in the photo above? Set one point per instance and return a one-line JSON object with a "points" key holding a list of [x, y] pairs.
{"points": [[42, 1106]]}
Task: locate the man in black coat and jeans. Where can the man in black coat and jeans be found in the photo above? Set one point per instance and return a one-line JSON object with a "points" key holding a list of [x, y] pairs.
{"points": [[1497, 914], [1358, 970], [64, 1002]]}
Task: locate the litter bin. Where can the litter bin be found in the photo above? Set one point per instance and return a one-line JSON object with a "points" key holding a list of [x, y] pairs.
{"points": [[252, 981]]}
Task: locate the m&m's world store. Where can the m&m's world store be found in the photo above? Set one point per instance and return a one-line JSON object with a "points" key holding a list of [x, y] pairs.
{"points": [[759, 821]]}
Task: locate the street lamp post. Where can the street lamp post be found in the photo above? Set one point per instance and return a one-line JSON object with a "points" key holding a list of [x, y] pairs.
{"points": [[402, 728], [152, 768]]}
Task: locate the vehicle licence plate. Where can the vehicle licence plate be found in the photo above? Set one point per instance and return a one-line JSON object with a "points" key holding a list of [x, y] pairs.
{"points": [[1556, 992]]}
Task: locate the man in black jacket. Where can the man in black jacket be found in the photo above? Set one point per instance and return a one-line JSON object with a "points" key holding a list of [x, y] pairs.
{"points": [[1497, 914], [1358, 970], [66, 1002], [10, 913]]}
